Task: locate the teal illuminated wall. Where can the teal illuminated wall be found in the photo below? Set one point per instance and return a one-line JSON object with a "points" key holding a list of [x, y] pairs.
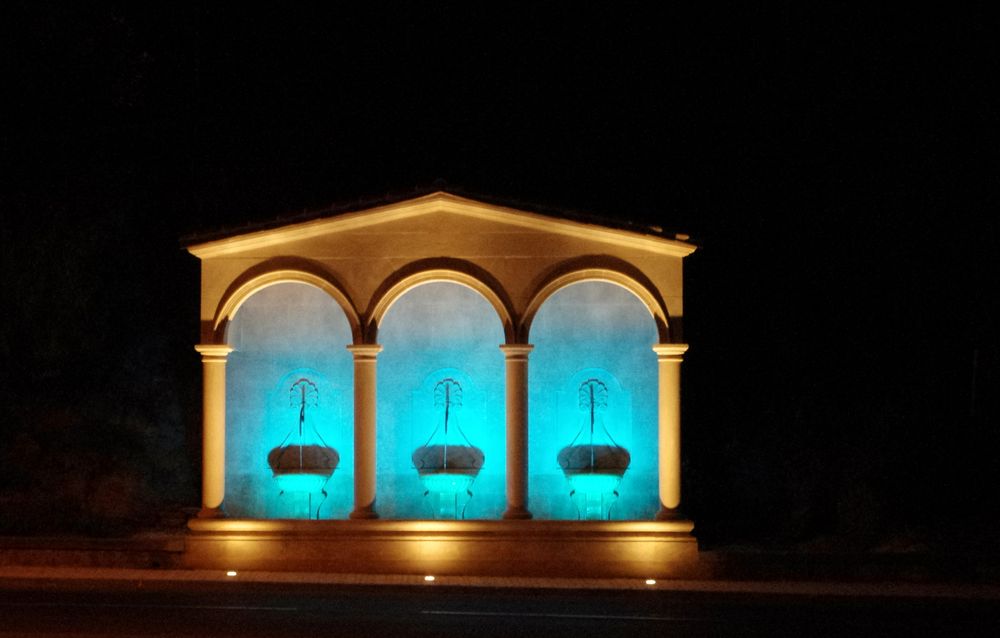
{"points": [[282, 333], [434, 331], [592, 330], [589, 330]]}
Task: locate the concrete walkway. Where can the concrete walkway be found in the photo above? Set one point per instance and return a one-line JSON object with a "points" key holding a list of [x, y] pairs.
{"points": [[31, 576]]}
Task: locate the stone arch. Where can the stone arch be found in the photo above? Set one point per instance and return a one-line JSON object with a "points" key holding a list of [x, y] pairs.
{"points": [[274, 272], [444, 270], [599, 269]]}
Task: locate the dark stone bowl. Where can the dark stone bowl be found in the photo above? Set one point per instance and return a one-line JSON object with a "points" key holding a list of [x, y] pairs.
{"points": [[315, 459], [607, 459], [460, 458]]}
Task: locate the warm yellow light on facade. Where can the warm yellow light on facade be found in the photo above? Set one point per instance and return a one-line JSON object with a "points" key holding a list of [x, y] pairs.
{"points": [[367, 260]]}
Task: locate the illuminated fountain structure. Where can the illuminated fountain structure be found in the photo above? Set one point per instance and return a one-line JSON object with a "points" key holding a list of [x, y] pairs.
{"points": [[448, 463], [303, 463], [593, 463]]}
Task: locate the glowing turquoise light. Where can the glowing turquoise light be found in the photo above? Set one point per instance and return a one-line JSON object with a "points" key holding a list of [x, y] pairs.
{"points": [[601, 331], [448, 493], [447, 483], [311, 483], [306, 464], [284, 333], [593, 463], [436, 331], [594, 483], [594, 494], [587, 330], [448, 463]]}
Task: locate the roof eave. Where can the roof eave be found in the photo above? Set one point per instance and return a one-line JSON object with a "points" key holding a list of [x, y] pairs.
{"points": [[436, 201]]}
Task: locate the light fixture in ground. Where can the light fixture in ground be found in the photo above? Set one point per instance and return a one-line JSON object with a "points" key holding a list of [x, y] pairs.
{"points": [[231, 573], [429, 578], [650, 581]]}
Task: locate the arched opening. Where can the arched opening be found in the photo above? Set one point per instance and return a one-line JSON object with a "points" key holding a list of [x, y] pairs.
{"points": [[437, 270], [635, 282], [440, 385], [289, 401], [274, 272], [593, 382]]}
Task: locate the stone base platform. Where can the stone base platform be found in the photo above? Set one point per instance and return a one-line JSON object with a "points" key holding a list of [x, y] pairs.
{"points": [[612, 549]]}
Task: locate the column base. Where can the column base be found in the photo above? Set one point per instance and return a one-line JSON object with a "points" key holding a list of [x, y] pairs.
{"points": [[365, 513], [516, 513], [211, 512], [410, 549], [669, 514]]}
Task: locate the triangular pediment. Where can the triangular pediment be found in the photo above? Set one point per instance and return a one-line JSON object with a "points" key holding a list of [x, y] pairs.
{"points": [[440, 206]]}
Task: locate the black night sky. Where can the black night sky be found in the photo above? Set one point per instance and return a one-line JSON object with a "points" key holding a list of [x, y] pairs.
{"points": [[838, 169]]}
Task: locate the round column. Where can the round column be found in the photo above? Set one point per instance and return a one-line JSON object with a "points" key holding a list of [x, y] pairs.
{"points": [[516, 363], [669, 357], [213, 429], [364, 428]]}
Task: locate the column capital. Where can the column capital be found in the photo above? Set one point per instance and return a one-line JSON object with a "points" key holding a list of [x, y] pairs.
{"points": [[364, 351], [516, 350], [670, 351], [214, 352]]}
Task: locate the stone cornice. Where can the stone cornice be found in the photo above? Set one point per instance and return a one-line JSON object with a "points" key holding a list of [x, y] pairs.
{"points": [[439, 202]]}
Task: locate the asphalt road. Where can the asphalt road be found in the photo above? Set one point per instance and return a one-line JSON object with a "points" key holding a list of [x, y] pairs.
{"points": [[260, 609]]}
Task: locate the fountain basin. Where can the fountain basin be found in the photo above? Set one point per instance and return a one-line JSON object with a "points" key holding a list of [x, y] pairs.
{"points": [[460, 459], [594, 459], [302, 468]]}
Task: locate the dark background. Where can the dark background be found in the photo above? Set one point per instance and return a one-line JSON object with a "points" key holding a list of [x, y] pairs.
{"points": [[838, 169]]}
